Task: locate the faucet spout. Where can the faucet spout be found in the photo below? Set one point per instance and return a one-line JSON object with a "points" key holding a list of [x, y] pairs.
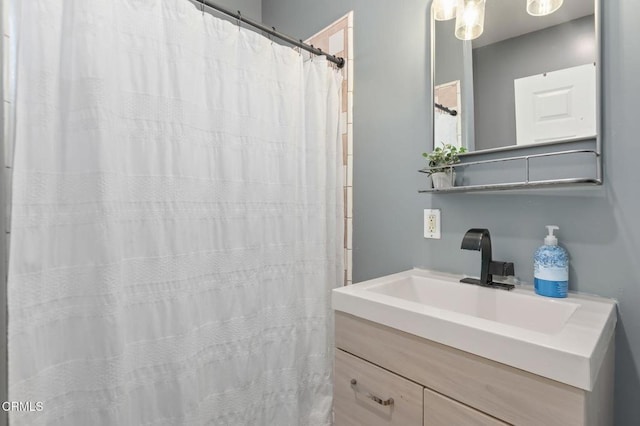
{"points": [[480, 239], [472, 240]]}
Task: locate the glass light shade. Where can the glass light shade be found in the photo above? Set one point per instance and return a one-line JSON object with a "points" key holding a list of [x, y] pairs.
{"points": [[443, 10], [470, 19], [543, 7]]}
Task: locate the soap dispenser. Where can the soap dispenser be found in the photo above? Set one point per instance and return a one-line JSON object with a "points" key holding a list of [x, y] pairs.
{"points": [[551, 267]]}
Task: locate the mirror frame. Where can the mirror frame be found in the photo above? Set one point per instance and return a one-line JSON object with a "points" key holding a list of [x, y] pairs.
{"points": [[512, 151]]}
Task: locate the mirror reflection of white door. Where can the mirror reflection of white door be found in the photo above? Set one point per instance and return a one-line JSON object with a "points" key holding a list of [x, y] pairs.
{"points": [[556, 106]]}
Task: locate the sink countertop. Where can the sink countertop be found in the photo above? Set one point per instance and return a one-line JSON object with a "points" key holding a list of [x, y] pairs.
{"points": [[569, 351]]}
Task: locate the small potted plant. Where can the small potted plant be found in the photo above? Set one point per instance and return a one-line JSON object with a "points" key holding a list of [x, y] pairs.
{"points": [[440, 162]]}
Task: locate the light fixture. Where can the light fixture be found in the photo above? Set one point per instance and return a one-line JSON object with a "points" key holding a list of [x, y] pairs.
{"points": [[443, 10], [543, 7], [470, 19]]}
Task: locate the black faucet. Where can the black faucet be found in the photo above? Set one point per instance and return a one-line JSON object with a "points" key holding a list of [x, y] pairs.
{"points": [[480, 239]]}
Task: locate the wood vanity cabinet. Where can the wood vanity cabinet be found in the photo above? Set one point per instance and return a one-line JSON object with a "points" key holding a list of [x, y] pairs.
{"points": [[387, 377], [366, 394]]}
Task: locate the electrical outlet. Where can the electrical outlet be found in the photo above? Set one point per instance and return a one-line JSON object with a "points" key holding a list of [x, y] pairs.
{"points": [[432, 223]]}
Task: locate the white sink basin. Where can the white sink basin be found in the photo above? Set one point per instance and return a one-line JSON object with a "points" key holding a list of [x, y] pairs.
{"points": [[561, 339], [520, 310]]}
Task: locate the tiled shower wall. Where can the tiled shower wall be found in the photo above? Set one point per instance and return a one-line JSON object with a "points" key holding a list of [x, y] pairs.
{"points": [[337, 39]]}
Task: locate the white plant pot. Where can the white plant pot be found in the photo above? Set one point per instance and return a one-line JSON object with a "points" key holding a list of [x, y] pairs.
{"points": [[443, 180]]}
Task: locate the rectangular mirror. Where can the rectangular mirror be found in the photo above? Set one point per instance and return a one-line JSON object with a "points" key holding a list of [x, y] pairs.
{"points": [[524, 81]]}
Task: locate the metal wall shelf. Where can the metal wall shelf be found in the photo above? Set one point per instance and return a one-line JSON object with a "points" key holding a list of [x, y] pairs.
{"points": [[514, 185], [527, 183]]}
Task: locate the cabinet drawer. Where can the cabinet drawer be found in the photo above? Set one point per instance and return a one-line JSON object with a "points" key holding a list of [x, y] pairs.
{"points": [[442, 411], [363, 394]]}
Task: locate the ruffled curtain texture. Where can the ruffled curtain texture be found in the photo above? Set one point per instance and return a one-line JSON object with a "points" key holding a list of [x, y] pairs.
{"points": [[176, 221]]}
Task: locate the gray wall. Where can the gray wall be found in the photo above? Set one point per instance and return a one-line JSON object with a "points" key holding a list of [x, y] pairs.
{"points": [[562, 46], [598, 226], [451, 67], [249, 8]]}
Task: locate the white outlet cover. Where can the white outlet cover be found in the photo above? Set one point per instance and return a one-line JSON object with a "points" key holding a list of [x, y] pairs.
{"points": [[432, 223]]}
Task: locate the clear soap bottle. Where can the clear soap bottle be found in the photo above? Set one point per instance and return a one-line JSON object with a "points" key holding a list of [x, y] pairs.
{"points": [[551, 267]]}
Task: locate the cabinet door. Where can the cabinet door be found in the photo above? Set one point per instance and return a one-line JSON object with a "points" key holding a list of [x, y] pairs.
{"points": [[442, 411], [367, 395]]}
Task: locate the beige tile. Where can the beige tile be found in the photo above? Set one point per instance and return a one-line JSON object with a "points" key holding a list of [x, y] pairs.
{"points": [[337, 42], [344, 173], [322, 42], [349, 232], [349, 202], [337, 26], [347, 238], [349, 265], [350, 139], [324, 45], [345, 44], [350, 45], [345, 96], [349, 170], [350, 82], [345, 149], [344, 70], [349, 107], [344, 201]]}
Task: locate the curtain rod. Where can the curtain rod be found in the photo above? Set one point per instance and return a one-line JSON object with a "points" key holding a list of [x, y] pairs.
{"points": [[272, 31], [447, 110]]}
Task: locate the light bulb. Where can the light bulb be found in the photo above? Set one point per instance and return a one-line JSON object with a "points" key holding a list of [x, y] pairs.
{"points": [[543, 7], [470, 19], [443, 10]]}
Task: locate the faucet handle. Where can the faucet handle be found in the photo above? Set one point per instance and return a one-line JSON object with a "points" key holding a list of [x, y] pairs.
{"points": [[502, 269], [509, 269]]}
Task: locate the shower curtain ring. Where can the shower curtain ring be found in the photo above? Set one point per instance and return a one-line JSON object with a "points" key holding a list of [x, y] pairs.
{"points": [[202, 2], [274, 30], [239, 19]]}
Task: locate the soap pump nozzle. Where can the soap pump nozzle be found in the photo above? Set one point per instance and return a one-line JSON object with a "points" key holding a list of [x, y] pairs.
{"points": [[551, 240]]}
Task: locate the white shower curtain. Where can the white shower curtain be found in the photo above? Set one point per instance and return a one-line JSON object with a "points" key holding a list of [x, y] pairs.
{"points": [[176, 220]]}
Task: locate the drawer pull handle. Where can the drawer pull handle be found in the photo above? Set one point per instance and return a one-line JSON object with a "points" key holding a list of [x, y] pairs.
{"points": [[383, 402]]}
